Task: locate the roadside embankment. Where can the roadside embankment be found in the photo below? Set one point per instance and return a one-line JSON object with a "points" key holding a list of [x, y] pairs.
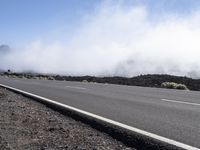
{"points": [[27, 124]]}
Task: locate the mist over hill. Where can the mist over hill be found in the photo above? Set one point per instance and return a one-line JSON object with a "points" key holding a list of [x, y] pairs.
{"points": [[115, 41], [4, 49]]}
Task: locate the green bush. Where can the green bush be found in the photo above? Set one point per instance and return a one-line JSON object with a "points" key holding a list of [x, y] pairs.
{"points": [[173, 85]]}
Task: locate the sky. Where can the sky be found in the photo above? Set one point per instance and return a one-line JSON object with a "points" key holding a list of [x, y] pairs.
{"points": [[101, 37]]}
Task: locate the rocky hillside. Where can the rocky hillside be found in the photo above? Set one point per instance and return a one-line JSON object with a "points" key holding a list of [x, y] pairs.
{"points": [[150, 80], [154, 80]]}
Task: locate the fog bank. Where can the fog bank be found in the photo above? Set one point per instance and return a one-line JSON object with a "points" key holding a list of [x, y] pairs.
{"points": [[120, 41]]}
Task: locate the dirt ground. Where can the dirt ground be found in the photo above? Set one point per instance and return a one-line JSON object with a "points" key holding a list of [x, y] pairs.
{"points": [[28, 125]]}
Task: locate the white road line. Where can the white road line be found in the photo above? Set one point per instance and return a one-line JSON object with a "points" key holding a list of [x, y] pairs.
{"points": [[181, 102], [142, 132], [75, 87]]}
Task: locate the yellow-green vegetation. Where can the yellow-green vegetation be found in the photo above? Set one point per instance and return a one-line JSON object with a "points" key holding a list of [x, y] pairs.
{"points": [[173, 85]]}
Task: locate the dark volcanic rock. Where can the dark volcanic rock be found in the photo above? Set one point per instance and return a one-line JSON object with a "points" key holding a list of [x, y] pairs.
{"points": [[149, 80]]}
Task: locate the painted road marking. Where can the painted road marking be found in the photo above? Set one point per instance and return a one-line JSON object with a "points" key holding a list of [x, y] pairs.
{"points": [[181, 102], [75, 87], [145, 133]]}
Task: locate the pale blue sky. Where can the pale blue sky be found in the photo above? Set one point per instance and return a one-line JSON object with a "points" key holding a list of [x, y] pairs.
{"points": [[25, 20]]}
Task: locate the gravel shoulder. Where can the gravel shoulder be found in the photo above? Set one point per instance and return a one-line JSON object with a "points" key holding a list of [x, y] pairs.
{"points": [[28, 125]]}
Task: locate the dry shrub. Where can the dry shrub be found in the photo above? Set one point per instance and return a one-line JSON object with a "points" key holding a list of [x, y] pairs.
{"points": [[173, 85]]}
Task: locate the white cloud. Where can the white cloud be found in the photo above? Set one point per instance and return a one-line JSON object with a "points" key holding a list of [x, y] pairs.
{"points": [[118, 41]]}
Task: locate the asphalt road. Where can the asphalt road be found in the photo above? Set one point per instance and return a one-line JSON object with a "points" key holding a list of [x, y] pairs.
{"points": [[169, 113]]}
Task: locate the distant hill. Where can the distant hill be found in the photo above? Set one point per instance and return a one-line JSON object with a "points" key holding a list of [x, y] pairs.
{"points": [[150, 80], [4, 49]]}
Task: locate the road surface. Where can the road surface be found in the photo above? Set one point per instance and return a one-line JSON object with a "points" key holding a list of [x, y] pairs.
{"points": [[169, 113]]}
